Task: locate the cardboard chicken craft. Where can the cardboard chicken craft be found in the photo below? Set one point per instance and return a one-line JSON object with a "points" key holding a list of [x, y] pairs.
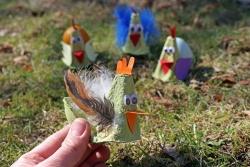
{"points": [[136, 30], [77, 49], [176, 59], [108, 102]]}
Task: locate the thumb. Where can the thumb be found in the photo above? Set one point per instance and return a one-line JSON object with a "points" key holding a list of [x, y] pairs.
{"points": [[73, 147]]}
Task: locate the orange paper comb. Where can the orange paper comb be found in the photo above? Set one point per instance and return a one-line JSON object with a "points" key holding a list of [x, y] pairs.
{"points": [[125, 68]]}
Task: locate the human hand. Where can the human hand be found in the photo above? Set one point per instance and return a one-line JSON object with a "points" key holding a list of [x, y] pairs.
{"points": [[68, 147]]}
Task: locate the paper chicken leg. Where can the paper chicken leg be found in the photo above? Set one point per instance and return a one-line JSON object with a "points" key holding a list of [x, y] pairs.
{"points": [[108, 103], [176, 59]]}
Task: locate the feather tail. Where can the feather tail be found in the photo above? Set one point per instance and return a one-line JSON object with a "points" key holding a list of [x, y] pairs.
{"points": [[100, 112], [122, 14], [77, 91], [151, 30]]}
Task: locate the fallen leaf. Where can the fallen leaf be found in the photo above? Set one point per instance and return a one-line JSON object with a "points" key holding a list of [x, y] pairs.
{"points": [[21, 60], [244, 49], [26, 53], [244, 82], [217, 69], [227, 79], [5, 103], [24, 62], [218, 97], [209, 7], [28, 67], [165, 102], [174, 4], [7, 31], [197, 22], [163, 5], [195, 84], [59, 14], [3, 32], [225, 42], [6, 48], [204, 88], [247, 112]]}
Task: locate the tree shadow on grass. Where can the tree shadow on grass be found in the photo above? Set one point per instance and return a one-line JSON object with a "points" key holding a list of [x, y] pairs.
{"points": [[201, 74], [156, 160], [106, 59]]}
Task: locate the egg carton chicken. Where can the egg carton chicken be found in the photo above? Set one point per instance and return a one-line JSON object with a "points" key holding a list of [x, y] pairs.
{"points": [[77, 47], [136, 30]]}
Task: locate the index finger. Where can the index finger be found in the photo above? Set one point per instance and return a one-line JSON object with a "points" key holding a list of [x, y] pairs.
{"points": [[52, 143]]}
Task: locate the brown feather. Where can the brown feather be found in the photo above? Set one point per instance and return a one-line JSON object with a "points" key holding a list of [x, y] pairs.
{"points": [[77, 91], [102, 110]]}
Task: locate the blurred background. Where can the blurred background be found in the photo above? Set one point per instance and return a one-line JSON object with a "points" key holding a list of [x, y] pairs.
{"points": [[203, 121]]}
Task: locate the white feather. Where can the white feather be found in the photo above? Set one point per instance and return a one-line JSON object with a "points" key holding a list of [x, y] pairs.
{"points": [[98, 82]]}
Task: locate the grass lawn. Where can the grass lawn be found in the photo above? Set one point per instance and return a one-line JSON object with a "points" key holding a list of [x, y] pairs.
{"points": [[204, 121]]}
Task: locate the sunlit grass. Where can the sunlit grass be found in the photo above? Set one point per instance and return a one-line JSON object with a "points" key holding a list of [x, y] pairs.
{"points": [[203, 126]]}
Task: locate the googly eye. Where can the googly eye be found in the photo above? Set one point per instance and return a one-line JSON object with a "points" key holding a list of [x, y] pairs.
{"points": [[139, 28], [78, 39], [133, 99], [74, 40], [126, 100], [166, 50], [132, 28], [171, 50]]}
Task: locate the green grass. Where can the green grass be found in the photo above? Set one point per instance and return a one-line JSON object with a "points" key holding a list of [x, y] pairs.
{"points": [[199, 122]]}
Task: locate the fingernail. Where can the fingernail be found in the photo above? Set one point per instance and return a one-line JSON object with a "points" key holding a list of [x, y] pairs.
{"points": [[78, 127]]}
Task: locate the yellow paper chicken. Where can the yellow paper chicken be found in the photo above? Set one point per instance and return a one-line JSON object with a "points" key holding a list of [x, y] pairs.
{"points": [[77, 49]]}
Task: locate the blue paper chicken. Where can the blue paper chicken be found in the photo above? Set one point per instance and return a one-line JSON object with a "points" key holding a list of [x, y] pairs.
{"points": [[136, 30]]}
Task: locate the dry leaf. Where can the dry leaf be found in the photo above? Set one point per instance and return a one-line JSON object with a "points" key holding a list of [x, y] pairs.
{"points": [[244, 82], [228, 79], [218, 97], [197, 22], [225, 42], [5, 103], [173, 4], [24, 62], [244, 49], [21, 60], [6, 48], [28, 67], [3, 32], [247, 112], [165, 102], [209, 7], [204, 88], [195, 84]]}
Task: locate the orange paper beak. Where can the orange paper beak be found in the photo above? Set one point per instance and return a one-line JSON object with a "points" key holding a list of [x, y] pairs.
{"points": [[131, 119]]}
